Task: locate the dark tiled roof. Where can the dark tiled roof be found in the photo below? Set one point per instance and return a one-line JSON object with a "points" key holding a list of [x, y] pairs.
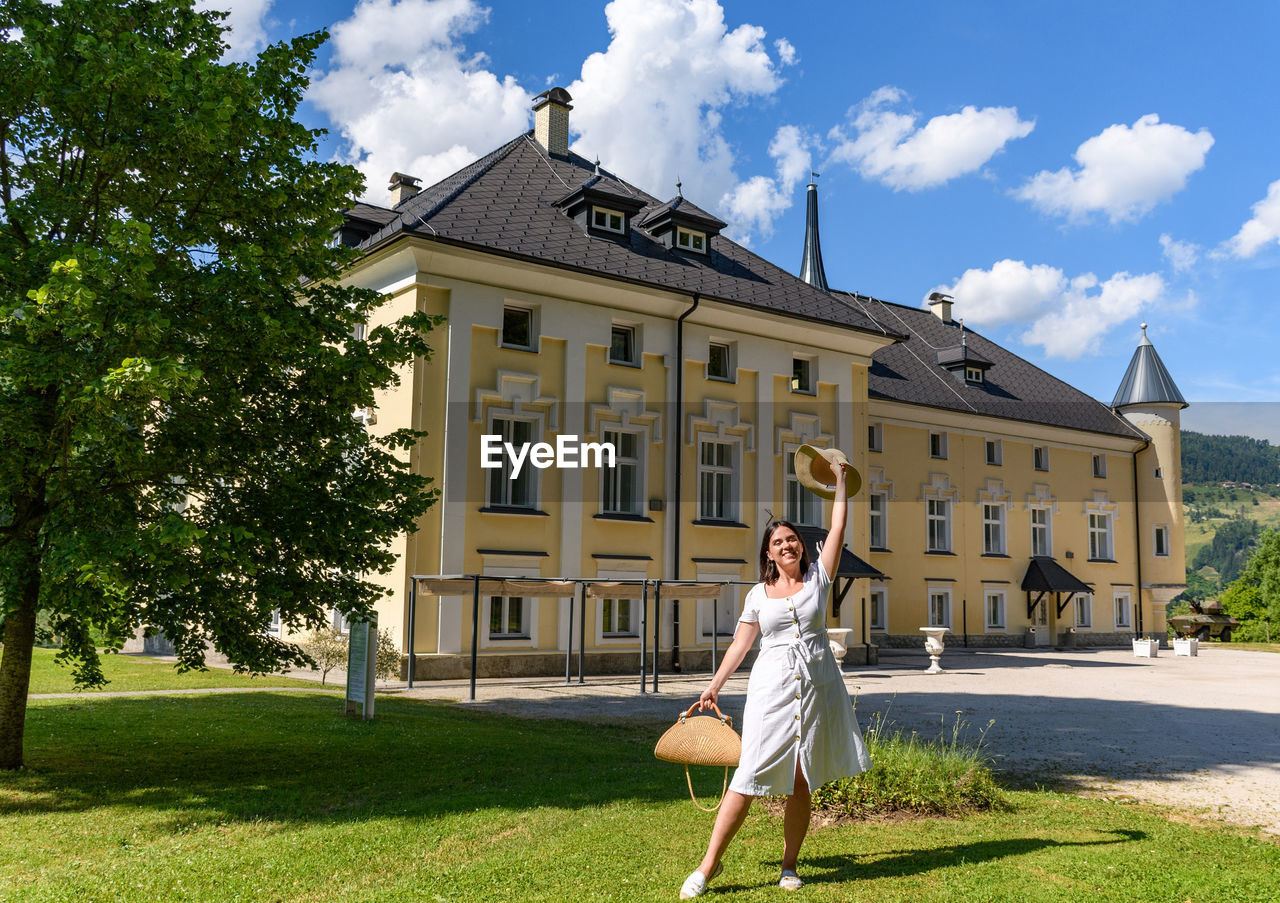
{"points": [[504, 202], [1012, 388], [681, 208]]}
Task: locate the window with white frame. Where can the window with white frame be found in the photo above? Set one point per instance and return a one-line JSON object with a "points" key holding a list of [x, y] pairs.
{"points": [[273, 625], [1040, 457], [720, 363], [504, 490], [803, 375], [802, 506], [618, 617], [608, 220], [1161, 541], [973, 374], [1122, 610], [1100, 536], [1041, 535], [993, 529], [994, 608], [1099, 466], [507, 618], [623, 348], [879, 613], [938, 445], [717, 470], [878, 527], [719, 615], [995, 452], [621, 489], [1084, 610], [939, 607], [340, 620], [875, 437], [938, 525], [691, 241], [518, 328]]}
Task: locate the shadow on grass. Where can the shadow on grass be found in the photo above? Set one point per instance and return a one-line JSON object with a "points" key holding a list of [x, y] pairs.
{"points": [[905, 863], [279, 757], [901, 863]]}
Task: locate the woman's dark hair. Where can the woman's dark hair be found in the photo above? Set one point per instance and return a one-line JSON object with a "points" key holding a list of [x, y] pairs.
{"points": [[769, 570]]}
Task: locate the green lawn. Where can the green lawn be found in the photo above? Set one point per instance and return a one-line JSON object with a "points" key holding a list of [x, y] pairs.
{"points": [[130, 673], [276, 797]]}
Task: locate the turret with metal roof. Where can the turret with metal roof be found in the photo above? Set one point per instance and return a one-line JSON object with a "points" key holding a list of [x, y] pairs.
{"points": [[1147, 381], [811, 270]]}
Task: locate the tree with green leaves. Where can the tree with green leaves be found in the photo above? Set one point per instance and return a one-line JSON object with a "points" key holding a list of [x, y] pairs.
{"points": [[1254, 597], [178, 376]]}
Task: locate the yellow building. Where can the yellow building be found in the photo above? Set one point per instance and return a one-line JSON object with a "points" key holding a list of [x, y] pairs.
{"points": [[581, 312]]}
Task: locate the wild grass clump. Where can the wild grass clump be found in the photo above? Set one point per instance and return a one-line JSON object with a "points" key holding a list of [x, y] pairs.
{"points": [[913, 776]]}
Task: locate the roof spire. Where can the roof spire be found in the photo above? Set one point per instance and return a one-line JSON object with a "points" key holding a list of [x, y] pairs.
{"points": [[811, 270], [679, 186], [1147, 381]]}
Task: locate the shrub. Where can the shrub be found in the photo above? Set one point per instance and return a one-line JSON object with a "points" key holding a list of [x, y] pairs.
{"points": [[387, 664], [328, 649], [912, 775]]}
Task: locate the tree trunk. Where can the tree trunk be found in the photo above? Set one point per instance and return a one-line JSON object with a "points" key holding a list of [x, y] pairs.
{"points": [[15, 663]]}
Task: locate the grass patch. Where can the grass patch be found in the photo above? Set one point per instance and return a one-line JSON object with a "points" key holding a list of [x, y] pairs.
{"points": [[911, 775], [276, 796], [1250, 647], [132, 673]]}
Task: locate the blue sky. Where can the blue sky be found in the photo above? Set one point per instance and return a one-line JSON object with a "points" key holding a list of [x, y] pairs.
{"points": [[1066, 170]]}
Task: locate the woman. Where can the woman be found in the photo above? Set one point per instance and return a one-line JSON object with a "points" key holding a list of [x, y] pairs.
{"points": [[798, 729]]}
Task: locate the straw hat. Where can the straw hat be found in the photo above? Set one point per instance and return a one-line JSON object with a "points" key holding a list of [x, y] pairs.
{"points": [[815, 469]]}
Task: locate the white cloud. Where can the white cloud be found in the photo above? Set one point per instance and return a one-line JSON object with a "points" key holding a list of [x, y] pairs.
{"points": [[891, 148], [1182, 255], [1123, 172], [1262, 229], [786, 52], [753, 205], [405, 94], [1068, 317], [1009, 292], [650, 105], [245, 23]]}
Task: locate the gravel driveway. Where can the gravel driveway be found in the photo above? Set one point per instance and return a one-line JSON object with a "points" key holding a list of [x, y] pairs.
{"points": [[1197, 733]]}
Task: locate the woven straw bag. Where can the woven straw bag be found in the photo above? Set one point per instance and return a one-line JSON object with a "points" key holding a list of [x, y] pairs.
{"points": [[701, 740]]}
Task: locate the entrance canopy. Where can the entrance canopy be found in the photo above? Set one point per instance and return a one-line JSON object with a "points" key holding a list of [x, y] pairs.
{"points": [[1044, 575]]}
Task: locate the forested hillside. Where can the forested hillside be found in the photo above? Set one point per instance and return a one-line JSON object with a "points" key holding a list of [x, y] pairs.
{"points": [[1221, 458]]}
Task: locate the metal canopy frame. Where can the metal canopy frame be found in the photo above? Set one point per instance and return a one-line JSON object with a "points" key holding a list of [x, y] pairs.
{"points": [[575, 590]]}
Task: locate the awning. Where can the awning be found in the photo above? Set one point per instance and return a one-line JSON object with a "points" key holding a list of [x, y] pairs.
{"points": [[850, 564], [609, 589], [1044, 575]]}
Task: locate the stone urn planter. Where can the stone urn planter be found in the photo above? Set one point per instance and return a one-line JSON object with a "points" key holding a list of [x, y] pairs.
{"points": [[933, 645], [1189, 646], [838, 638], [1143, 648]]}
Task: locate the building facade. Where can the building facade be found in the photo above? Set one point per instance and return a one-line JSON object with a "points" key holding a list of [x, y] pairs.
{"points": [[581, 312]]}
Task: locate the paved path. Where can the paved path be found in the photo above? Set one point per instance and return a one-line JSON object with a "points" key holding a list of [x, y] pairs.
{"points": [[1197, 733]]}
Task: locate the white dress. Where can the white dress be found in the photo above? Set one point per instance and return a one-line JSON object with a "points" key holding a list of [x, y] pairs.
{"points": [[797, 704]]}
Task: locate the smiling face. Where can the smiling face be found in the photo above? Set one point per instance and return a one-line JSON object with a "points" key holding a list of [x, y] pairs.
{"points": [[782, 549]]}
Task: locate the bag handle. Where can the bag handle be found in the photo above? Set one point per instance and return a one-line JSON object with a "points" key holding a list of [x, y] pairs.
{"points": [[725, 787], [727, 719]]}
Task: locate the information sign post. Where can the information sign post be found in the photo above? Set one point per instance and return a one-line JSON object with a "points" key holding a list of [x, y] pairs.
{"points": [[362, 659]]}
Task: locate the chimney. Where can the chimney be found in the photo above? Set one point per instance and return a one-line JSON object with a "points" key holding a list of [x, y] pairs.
{"points": [[940, 304], [811, 270], [402, 188], [551, 121]]}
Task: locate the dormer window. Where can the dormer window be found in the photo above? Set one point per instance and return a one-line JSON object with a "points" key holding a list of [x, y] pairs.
{"points": [[973, 374], [608, 220], [691, 241]]}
